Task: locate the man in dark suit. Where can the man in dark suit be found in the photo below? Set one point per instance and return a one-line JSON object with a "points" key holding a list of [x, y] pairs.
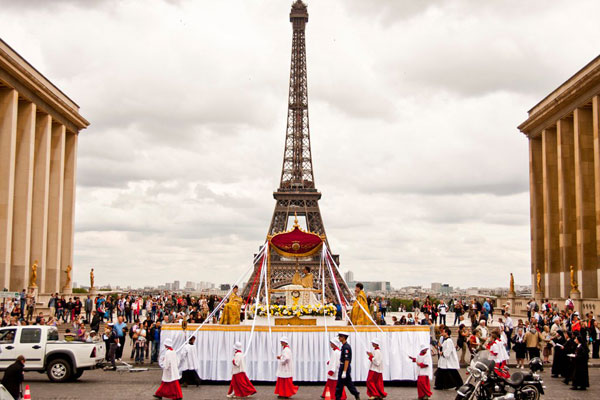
{"points": [[14, 376]]}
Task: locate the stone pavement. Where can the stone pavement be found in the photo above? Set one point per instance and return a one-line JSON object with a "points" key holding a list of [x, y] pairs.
{"points": [[141, 385]]}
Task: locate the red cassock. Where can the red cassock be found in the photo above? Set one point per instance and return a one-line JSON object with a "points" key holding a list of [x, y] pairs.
{"points": [[423, 386], [241, 385], [170, 390], [375, 384], [331, 384], [285, 387]]}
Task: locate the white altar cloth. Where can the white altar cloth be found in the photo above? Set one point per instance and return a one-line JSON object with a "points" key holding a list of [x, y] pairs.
{"points": [[310, 348]]}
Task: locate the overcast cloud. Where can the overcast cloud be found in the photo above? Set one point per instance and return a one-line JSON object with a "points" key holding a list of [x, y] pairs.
{"points": [[413, 114]]}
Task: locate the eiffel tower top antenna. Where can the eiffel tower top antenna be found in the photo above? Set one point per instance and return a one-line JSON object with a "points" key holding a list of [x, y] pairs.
{"points": [[297, 171]]}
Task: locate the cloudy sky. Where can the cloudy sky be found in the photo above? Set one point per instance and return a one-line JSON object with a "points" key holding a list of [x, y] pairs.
{"points": [[413, 114]]}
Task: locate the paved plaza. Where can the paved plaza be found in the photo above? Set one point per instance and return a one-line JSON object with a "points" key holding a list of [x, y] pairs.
{"points": [[141, 385]]}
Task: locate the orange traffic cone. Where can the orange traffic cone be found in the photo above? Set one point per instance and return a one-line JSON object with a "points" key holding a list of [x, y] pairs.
{"points": [[27, 395], [327, 394]]}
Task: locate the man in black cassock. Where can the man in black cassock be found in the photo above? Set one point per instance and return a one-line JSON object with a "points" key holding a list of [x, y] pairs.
{"points": [[581, 379], [14, 376]]}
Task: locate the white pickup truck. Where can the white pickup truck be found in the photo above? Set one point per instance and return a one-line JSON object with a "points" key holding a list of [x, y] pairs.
{"points": [[44, 352]]}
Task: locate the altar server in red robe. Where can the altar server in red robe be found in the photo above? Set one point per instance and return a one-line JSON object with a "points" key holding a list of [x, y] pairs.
{"points": [[499, 354], [169, 386], [240, 386], [333, 366], [284, 387], [375, 388], [424, 364]]}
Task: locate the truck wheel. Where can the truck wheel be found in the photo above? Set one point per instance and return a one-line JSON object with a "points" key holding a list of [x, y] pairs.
{"points": [[77, 374], [59, 370]]}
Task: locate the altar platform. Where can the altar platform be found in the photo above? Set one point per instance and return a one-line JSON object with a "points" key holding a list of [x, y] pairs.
{"points": [[310, 347]]}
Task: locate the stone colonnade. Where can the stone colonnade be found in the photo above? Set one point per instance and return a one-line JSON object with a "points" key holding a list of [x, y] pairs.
{"points": [[37, 195], [564, 167], [39, 127]]}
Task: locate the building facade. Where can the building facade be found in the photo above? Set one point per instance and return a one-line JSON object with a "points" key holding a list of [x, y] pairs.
{"points": [[564, 170], [39, 127]]}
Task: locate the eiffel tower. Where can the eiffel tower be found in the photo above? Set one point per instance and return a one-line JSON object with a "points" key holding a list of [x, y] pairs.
{"points": [[297, 194]]}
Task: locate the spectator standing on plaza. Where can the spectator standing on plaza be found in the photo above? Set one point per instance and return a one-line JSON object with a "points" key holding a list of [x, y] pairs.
{"points": [[60, 310], [442, 310], [119, 329], [462, 342], [140, 345], [486, 309], [509, 327], [482, 332], [169, 386], [595, 337], [88, 307], [14, 377], [23, 302], [155, 339], [52, 304], [533, 342], [383, 306], [111, 342], [416, 307], [458, 312], [546, 346], [520, 347], [95, 322]]}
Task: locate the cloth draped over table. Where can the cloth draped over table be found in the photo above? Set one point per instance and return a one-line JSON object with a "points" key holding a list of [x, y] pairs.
{"points": [[310, 347]]}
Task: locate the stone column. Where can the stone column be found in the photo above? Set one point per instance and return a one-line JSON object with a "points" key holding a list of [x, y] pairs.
{"points": [[537, 212], [566, 201], [596, 127], [21, 233], [585, 203], [55, 206], [68, 210], [9, 102], [551, 214], [41, 182]]}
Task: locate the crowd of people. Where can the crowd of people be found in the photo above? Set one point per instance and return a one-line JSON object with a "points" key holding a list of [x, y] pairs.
{"points": [[559, 335]]}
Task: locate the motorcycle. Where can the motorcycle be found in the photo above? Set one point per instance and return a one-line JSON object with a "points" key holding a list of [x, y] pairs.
{"points": [[484, 383]]}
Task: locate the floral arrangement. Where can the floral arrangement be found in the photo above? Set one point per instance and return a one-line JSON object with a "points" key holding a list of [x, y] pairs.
{"points": [[299, 311]]}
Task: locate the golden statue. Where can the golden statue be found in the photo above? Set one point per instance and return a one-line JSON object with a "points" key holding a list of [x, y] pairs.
{"points": [[306, 281], [231, 310], [92, 279], [359, 315], [33, 275], [574, 286], [539, 281], [68, 281], [512, 283]]}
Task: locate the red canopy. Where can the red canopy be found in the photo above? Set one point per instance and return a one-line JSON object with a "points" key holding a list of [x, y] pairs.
{"points": [[296, 243]]}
